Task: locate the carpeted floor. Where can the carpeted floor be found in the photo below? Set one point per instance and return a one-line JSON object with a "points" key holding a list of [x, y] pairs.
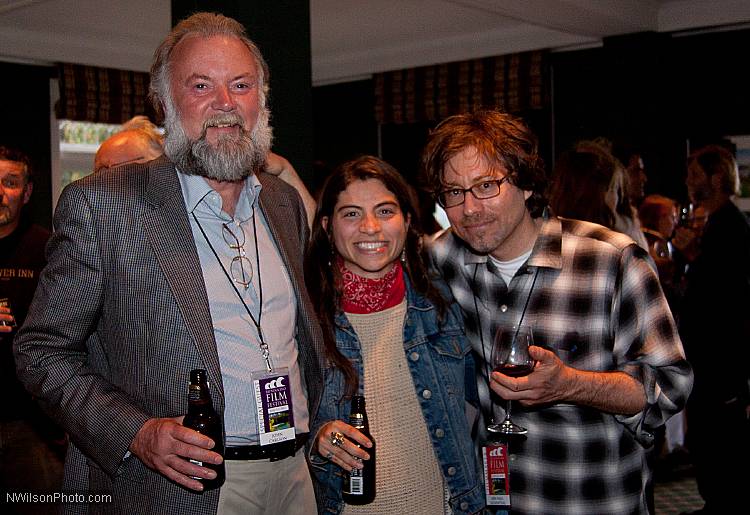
{"points": [[676, 495], [675, 490]]}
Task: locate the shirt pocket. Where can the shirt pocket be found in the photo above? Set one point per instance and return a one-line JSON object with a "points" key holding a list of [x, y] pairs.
{"points": [[450, 343], [447, 352]]}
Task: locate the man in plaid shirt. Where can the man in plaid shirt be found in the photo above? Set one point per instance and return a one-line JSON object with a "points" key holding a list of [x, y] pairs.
{"points": [[610, 367]]}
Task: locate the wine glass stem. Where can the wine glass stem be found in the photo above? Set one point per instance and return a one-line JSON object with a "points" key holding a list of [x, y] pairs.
{"points": [[507, 411]]}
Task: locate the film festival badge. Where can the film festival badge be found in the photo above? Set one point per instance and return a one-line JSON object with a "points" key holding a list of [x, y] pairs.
{"points": [[273, 402]]}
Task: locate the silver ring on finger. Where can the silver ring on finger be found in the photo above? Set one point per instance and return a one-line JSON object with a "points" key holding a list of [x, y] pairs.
{"points": [[329, 455]]}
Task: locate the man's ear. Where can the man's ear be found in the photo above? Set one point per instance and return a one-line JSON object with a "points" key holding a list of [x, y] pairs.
{"points": [[324, 223], [27, 192]]}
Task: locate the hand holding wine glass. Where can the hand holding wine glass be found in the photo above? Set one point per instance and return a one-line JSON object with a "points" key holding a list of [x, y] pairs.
{"points": [[686, 216], [510, 356]]}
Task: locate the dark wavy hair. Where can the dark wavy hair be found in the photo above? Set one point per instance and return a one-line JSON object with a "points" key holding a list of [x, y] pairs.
{"points": [[583, 177], [501, 138], [18, 156], [320, 269]]}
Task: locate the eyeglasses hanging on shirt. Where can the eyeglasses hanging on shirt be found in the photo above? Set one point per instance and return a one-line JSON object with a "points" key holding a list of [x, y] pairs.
{"points": [[246, 275], [241, 269]]}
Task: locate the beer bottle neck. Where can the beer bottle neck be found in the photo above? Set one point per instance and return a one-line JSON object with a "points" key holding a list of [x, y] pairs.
{"points": [[358, 404], [357, 420], [358, 415], [198, 395]]}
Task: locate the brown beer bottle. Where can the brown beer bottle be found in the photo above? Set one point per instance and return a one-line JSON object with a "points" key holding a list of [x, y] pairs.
{"points": [[202, 417], [359, 485]]}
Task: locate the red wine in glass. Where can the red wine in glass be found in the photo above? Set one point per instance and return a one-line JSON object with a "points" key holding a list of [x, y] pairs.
{"points": [[509, 369], [510, 356]]}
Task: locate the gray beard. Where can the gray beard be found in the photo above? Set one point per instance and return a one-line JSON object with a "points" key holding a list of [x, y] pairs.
{"points": [[230, 160], [5, 218]]}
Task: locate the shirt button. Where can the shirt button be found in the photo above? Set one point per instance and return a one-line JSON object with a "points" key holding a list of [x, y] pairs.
{"points": [[427, 394], [464, 506], [504, 308], [439, 433], [451, 471], [414, 356]]}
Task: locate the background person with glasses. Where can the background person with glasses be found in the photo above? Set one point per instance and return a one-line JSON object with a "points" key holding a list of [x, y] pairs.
{"points": [[610, 367], [189, 261]]}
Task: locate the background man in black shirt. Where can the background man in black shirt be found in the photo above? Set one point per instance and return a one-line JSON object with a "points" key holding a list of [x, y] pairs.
{"points": [[31, 446]]}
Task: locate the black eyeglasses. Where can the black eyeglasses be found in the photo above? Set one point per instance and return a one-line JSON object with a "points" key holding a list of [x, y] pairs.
{"points": [[240, 269], [482, 190]]}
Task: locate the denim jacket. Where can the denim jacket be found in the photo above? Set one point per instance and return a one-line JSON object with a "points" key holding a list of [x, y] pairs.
{"points": [[442, 370]]}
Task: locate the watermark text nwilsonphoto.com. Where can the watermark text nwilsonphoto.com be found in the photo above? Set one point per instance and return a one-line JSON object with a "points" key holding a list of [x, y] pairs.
{"points": [[56, 498]]}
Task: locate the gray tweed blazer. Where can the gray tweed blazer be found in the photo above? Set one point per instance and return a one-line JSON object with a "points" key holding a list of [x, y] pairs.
{"points": [[120, 318]]}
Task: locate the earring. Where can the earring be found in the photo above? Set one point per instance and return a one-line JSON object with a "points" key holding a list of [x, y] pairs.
{"points": [[403, 256]]}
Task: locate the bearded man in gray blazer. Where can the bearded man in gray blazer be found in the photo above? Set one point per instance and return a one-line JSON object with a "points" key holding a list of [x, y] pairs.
{"points": [[192, 260]]}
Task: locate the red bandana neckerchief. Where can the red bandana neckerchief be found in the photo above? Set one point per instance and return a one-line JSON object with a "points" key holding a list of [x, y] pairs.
{"points": [[361, 295]]}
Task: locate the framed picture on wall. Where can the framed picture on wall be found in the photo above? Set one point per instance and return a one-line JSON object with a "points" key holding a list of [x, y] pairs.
{"points": [[743, 163]]}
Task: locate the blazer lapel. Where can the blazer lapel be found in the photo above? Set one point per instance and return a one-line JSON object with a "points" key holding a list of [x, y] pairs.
{"points": [[168, 231]]}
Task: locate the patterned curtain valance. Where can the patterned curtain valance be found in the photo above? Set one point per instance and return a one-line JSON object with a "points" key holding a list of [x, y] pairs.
{"points": [[514, 83], [103, 95]]}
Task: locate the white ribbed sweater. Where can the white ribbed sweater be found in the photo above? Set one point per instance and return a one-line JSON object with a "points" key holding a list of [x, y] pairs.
{"points": [[408, 476]]}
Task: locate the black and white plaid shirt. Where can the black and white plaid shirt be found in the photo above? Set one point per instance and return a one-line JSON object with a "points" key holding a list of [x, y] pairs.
{"points": [[598, 305]]}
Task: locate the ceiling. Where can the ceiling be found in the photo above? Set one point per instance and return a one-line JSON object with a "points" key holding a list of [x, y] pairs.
{"points": [[354, 38]]}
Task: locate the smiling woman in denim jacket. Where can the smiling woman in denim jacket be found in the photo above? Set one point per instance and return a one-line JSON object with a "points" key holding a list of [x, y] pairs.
{"points": [[392, 336]]}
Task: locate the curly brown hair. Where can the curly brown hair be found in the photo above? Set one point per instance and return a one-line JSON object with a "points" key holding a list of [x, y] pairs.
{"points": [[501, 139]]}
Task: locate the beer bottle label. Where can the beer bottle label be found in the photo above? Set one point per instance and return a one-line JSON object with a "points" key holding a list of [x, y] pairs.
{"points": [[194, 393], [356, 482]]}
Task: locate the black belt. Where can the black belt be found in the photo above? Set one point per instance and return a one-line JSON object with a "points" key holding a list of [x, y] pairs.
{"points": [[274, 452]]}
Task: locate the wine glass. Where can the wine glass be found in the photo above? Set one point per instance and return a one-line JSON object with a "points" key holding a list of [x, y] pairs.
{"points": [[660, 249], [510, 356], [686, 215]]}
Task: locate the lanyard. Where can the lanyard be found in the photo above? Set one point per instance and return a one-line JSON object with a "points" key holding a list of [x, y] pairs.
{"points": [[479, 324], [263, 345]]}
